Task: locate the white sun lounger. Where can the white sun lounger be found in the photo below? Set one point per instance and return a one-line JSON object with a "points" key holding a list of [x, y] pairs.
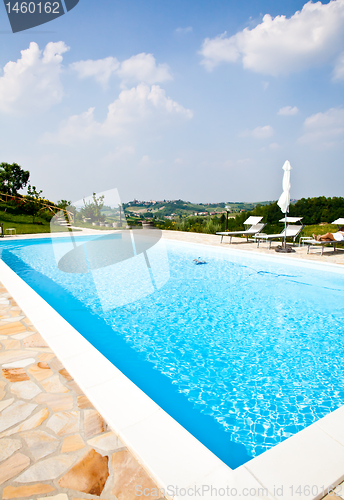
{"points": [[292, 231], [314, 243], [251, 231], [339, 221]]}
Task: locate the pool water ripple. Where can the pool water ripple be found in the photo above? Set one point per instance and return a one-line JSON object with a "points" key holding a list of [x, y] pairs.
{"points": [[255, 344]]}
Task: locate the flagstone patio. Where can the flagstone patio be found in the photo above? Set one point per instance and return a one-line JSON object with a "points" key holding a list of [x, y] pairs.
{"points": [[53, 442]]}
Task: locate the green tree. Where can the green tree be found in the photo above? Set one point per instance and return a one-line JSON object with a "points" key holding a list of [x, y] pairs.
{"points": [[68, 210], [63, 204], [92, 209], [33, 204], [12, 178]]}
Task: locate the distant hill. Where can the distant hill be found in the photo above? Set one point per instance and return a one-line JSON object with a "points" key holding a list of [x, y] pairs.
{"points": [[312, 210], [180, 208]]}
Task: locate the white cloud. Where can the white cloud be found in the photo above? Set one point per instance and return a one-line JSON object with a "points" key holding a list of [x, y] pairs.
{"points": [[100, 69], [139, 103], [324, 130], [274, 145], [143, 68], [219, 49], [338, 72], [119, 154], [244, 161], [183, 31], [145, 161], [33, 82], [262, 132], [259, 132], [134, 106], [139, 68], [288, 111], [77, 128], [281, 45]]}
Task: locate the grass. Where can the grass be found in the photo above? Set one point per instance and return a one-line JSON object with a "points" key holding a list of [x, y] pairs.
{"points": [[319, 229], [23, 223]]}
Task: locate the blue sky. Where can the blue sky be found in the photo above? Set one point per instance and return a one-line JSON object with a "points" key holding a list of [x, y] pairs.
{"points": [[202, 100]]}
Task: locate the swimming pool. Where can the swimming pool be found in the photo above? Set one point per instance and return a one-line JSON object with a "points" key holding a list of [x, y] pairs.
{"points": [[243, 351]]}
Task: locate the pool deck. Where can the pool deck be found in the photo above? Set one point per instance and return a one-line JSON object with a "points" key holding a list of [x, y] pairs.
{"points": [[53, 442], [132, 440]]}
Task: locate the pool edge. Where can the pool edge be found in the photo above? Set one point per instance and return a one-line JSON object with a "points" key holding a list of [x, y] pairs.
{"points": [[320, 446], [185, 459]]}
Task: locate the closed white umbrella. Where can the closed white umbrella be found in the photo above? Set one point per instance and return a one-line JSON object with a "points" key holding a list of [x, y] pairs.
{"points": [[284, 199]]}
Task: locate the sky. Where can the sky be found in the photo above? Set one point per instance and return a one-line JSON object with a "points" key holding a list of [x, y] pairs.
{"points": [[169, 99]]}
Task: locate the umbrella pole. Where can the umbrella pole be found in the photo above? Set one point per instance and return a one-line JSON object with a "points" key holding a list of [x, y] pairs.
{"points": [[285, 231]]}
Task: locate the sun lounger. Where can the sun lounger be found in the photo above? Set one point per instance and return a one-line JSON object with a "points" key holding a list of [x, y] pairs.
{"points": [[292, 231], [255, 228], [339, 221], [314, 243], [291, 220]]}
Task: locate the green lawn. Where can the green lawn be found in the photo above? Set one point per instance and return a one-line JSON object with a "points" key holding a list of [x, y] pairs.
{"points": [[319, 229], [23, 223]]}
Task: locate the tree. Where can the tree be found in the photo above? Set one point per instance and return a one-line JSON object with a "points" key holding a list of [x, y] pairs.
{"points": [[92, 209], [12, 178], [34, 202], [68, 210], [63, 204], [120, 208]]}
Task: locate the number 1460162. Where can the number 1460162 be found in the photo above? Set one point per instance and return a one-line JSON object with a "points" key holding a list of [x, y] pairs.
{"points": [[33, 8]]}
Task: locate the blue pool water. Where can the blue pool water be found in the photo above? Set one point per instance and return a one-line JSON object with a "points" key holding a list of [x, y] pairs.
{"points": [[243, 351]]}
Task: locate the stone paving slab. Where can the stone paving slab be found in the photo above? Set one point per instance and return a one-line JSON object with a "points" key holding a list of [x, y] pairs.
{"points": [[53, 442]]}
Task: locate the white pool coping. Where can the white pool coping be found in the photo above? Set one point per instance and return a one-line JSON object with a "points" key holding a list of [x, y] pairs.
{"points": [[177, 461]]}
